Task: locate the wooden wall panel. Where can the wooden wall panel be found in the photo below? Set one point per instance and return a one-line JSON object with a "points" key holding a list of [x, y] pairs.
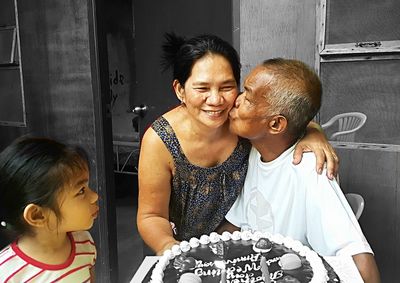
{"points": [[276, 29], [56, 67], [375, 175]]}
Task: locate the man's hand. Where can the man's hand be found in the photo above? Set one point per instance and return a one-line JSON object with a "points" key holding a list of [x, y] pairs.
{"points": [[316, 141]]}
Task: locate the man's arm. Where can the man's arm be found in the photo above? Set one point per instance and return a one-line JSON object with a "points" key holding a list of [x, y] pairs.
{"points": [[366, 265]]}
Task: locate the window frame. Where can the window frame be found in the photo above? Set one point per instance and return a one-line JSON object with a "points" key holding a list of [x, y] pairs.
{"points": [[354, 51], [13, 60], [15, 63]]}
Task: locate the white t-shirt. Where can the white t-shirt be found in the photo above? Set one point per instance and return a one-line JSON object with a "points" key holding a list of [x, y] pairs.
{"points": [[293, 200], [15, 266]]}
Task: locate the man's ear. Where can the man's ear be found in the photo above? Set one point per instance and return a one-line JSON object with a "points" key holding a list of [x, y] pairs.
{"points": [[35, 215], [179, 90], [277, 124]]}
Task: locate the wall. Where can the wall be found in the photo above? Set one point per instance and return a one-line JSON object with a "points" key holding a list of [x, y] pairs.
{"points": [[56, 72], [373, 172], [276, 29], [63, 97]]}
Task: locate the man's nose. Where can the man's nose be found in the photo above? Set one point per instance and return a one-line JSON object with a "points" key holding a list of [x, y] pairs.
{"points": [[238, 100]]}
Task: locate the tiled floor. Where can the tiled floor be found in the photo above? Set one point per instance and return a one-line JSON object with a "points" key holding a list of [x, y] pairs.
{"points": [[129, 241]]}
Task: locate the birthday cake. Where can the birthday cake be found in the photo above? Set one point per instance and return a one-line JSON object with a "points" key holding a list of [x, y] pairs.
{"points": [[240, 257]]}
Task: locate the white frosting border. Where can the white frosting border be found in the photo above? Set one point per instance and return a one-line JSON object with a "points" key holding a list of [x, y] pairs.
{"points": [[319, 271]]}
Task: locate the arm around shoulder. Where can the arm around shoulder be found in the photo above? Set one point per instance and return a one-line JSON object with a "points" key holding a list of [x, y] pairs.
{"points": [[367, 267], [155, 173], [316, 141]]}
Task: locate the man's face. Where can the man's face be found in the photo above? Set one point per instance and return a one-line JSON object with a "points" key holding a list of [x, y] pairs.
{"points": [[249, 117]]}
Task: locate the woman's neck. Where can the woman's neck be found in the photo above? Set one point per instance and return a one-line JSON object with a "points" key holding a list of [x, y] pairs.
{"points": [[199, 131], [202, 145]]}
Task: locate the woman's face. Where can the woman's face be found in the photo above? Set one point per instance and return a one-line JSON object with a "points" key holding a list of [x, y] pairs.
{"points": [[210, 91]]}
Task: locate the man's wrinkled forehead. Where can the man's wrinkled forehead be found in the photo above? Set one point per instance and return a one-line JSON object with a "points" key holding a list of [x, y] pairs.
{"points": [[259, 77]]}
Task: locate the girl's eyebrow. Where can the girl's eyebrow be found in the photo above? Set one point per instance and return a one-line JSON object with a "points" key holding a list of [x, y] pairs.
{"points": [[82, 181]]}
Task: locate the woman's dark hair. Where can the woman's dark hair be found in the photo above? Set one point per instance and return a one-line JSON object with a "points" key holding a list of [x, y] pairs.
{"points": [[34, 170], [181, 54]]}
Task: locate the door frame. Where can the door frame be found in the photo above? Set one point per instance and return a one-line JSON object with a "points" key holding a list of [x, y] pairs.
{"points": [[105, 228]]}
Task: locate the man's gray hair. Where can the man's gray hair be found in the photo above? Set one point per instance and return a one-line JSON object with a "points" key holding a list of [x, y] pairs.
{"points": [[295, 92]]}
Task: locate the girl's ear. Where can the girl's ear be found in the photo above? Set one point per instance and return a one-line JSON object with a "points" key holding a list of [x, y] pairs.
{"points": [[35, 215], [179, 91]]}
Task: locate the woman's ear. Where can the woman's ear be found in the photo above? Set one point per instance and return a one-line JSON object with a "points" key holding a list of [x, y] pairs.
{"points": [[35, 215], [277, 124], [179, 91]]}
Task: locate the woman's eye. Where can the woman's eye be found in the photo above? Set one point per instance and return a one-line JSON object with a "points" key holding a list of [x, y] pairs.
{"points": [[201, 89], [227, 88]]}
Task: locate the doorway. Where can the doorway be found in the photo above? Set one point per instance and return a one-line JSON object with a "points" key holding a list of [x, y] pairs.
{"points": [[135, 32]]}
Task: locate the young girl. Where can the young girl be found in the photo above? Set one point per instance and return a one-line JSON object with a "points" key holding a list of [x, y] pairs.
{"points": [[46, 200]]}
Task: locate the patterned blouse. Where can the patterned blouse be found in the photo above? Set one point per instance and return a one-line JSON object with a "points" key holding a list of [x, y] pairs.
{"points": [[200, 197]]}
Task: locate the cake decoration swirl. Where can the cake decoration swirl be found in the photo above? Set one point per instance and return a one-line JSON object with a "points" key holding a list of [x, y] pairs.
{"points": [[226, 236], [214, 237], [236, 235]]}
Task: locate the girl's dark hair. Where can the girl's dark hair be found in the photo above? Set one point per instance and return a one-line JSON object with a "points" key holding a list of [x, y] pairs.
{"points": [[34, 170], [181, 54]]}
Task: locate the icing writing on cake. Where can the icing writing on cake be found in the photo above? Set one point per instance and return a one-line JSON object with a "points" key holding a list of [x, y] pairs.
{"points": [[282, 259], [238, 273]]}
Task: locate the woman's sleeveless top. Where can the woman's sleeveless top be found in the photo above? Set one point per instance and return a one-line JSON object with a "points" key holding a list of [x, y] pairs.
{"points": [[200, 197]]}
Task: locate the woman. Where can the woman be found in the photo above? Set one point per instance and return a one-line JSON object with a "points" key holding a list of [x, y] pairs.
{"points": [[191, 168]]}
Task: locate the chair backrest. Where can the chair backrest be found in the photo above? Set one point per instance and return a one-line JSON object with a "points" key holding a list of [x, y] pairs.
{"points": [[356, 202], [347, 125]]}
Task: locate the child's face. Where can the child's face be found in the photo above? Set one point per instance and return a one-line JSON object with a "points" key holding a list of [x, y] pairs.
{"points": [[78, 204]]}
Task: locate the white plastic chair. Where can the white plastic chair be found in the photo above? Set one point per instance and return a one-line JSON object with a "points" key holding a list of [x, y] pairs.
{"points": [[347, 125], [356, 202]]}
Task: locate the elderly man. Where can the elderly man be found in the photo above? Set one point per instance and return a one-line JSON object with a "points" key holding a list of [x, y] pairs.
{"points": [[280, 98]]}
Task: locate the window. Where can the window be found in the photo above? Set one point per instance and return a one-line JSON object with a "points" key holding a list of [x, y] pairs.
{"points": [[359, 64], [12, 105], [8, 45]]}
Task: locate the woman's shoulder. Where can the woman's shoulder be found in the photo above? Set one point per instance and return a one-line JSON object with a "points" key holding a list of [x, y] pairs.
{"points": [[156, 134], [165, 129], [158, 142]]}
